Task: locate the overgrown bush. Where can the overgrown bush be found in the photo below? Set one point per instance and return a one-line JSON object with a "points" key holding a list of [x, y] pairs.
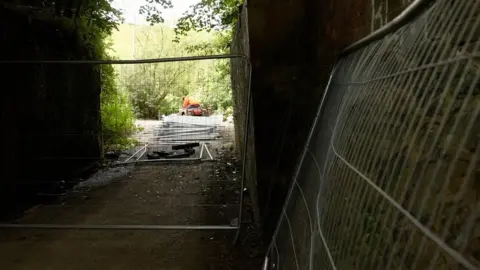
{"points": [[118, 121]]}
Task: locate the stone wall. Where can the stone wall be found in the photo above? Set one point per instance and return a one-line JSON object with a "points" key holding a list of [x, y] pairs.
{"points": [[50, 113], [240, 82], [293, 46]]}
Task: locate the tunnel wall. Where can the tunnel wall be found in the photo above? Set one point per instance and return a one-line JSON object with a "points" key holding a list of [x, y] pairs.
{"points": [[293, 46], [49, 113], [240, 85]]}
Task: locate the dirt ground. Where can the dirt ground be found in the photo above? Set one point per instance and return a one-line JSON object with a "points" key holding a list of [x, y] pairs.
{"points": [[204, 193]]}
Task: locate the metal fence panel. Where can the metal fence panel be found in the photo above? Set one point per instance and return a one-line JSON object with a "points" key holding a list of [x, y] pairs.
{"points": [[184, 138], [389, 177]]}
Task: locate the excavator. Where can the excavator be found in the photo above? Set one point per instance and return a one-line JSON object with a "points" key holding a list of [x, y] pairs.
{"points": [[191, 107]]}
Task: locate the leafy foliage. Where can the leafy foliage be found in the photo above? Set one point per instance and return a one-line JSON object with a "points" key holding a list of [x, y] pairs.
{"points": [[98, 14], [208, 15], [158, 88], [218, 44], [152, 13], [151, 87], [218, 93], [117, 115]]}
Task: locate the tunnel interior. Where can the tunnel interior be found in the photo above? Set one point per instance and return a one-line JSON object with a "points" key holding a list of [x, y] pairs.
{"points": [[292, 47]]}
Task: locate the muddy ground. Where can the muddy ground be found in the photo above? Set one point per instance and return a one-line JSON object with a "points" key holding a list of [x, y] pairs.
{"points": [[205, 193]]}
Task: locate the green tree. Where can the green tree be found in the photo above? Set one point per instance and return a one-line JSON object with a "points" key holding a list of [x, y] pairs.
{"points": [[157, 87], [219, 94], [206, 15], [151, 11]]}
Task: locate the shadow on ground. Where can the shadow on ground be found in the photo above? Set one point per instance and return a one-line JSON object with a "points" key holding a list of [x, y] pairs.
{"points": [[176, 194]]}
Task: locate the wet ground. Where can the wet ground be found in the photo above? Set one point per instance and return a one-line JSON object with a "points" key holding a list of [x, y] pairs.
{"points": [[202, 193]]}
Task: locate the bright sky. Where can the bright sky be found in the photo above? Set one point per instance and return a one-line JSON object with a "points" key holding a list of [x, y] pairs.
{"points": [[130, 10]]}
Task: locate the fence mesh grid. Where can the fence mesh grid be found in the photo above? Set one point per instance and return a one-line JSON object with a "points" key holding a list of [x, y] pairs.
{"points": [[389, 178], [138, 182], [163, 85]]}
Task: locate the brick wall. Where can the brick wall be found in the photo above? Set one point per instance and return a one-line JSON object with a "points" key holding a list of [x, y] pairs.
{"points": [[293, 46]]}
